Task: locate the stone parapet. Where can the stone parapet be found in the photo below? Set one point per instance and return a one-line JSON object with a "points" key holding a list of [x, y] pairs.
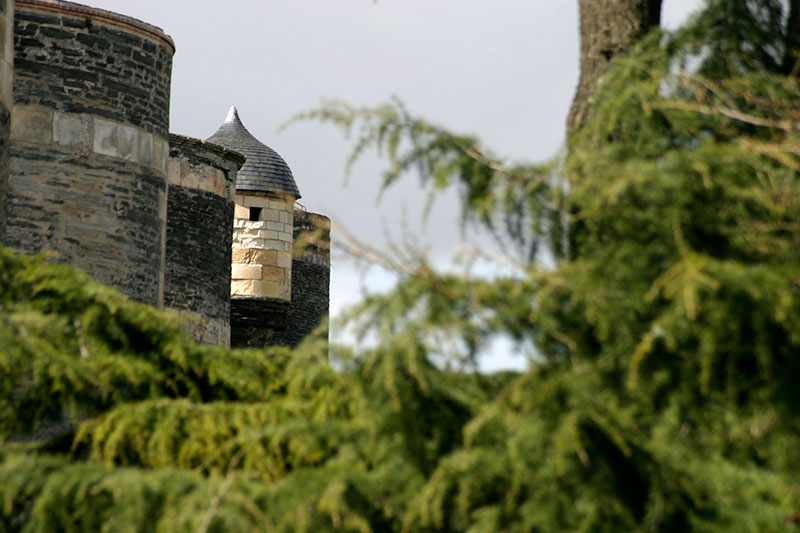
{"points": [[198, 239], [77, 59]]}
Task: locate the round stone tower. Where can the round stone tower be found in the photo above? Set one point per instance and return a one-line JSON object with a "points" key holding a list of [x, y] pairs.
{"points": [[89, 142], [6, 99], [198, 244], [261, 272]]}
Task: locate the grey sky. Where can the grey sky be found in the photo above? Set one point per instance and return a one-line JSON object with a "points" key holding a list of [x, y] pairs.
{"points": [[502, 69]]}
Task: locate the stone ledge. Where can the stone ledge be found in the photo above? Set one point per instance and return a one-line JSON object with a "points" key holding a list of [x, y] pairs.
{"points": [[102, 16]]}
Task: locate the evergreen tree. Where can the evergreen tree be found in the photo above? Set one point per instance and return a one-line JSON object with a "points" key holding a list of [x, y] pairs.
{"points": [[663, 396]]}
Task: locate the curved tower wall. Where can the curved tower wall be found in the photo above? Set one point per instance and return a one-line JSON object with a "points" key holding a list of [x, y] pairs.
{"points": [[256, 323], [201, 178], [6, 99], [262, 246], [89, 142], [311, 274]]}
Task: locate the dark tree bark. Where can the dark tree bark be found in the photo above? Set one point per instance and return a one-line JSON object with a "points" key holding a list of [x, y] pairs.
{"points": [[792, 54], [607, 28]]}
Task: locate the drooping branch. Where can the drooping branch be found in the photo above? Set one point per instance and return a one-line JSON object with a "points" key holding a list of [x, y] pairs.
{"points": [[608, 28]]}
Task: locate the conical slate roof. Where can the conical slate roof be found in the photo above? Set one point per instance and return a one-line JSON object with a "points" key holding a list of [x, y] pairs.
{"points": [[264, 170]]}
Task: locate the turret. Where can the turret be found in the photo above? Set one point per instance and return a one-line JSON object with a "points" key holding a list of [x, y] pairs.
{"points": [[261, 273]]}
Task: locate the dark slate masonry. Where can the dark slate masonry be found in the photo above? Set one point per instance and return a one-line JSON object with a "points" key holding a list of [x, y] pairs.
{"points": [[311, 274], [6, 98], [258, 322], [5, 124], [106, 222], [200, 227], [88, 144], [198, 268], [77, 59]]}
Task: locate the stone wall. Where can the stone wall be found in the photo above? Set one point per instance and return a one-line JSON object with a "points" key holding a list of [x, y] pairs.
{"points": [[257, 323], [78, 59], [6, 99], [311, 272], [198, 236], [262, 246], [89, 145]]}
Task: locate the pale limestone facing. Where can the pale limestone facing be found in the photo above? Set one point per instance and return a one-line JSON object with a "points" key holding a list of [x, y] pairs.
{"points": [[73, 130], [85, 133], [246, 271], [32, 124], [262, 249], [201, 177]]}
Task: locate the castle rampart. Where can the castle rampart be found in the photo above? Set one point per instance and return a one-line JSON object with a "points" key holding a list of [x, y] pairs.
{"points": [[89, 146], [89, 171], [198, 243], [6, 99]]}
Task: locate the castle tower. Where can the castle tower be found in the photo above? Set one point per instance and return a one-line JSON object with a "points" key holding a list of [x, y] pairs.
{"points": [[261, 273], [6, 100], [89, 142], [200, 209]]}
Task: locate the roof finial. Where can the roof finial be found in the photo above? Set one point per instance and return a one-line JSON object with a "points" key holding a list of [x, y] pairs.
{"points": [[233, 115]]}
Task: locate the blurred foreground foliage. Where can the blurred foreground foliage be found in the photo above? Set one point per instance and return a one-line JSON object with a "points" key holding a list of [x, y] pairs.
{"points": [[663, 395]]}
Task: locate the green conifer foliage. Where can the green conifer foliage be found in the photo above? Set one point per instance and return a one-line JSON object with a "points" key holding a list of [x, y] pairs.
{"points": [[663, 394]]}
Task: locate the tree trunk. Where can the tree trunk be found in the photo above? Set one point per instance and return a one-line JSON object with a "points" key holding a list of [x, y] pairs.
{"points": [[608, 28], [791, 56]]}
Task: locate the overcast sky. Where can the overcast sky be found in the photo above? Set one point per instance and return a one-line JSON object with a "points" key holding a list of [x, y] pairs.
{"points": [[502, 69]]}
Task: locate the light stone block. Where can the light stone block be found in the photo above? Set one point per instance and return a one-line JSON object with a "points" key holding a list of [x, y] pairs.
{"points": [[106, 135], [251, 242], [72, 130], [267, 234], [270, 215], [254, 224], [286, 237], [273, 273], [255, 201], [174, 171], [246, 271], [274, 244], [6, 87], [162, 206], [32, 124], [277, 226], [285, 217], [285, 292], [240, 255], [284, 259], [267, 289], [242, 288], [160, 154], [263, 257], [146, 148], [128, 143], [240, 211]]}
